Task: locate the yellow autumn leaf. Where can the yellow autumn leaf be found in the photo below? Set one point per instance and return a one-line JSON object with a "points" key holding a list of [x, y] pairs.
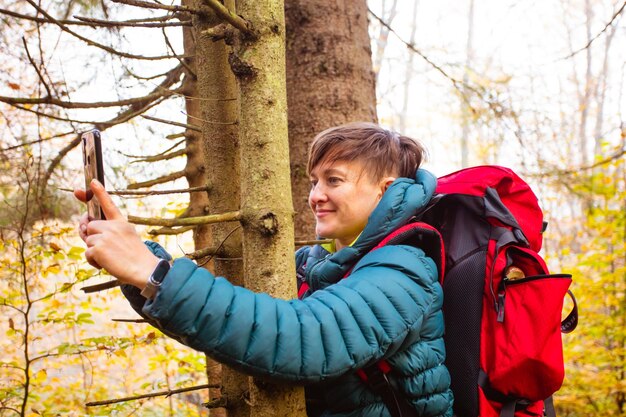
{"points": [[121, 353], [40, 376]]}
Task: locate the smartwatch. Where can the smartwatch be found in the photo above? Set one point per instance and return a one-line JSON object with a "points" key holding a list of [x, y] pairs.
{"points": [[155, 280]]}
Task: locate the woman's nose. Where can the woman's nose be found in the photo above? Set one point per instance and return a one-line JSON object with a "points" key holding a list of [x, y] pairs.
{"points": [[317, 194]]}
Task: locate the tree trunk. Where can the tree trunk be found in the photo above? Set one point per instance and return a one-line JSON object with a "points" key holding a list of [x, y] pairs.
{"points": [[218, 114], [269, 264], [330, 81], [195, 169]]}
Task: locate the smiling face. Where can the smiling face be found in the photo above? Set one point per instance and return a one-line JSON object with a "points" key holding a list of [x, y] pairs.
{"points": [[342, 197]]}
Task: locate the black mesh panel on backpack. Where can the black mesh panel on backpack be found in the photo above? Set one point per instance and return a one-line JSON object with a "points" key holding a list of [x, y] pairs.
{"points": [[466, 236]]}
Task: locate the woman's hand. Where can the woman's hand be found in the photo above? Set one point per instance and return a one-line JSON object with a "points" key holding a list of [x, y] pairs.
{"points": [[114, 244]]}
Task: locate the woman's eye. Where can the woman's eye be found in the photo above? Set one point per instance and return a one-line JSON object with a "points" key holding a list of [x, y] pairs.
{"points": [[334, 180]]}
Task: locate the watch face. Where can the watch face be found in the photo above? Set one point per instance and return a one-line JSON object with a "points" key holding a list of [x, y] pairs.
{"points": [[160, 271]]}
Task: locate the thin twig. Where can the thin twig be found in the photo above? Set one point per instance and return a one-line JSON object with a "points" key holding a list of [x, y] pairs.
{"points": [[312, 242], [154, 6], [160, 180], [144, 157], [135, 109], [170, 231], [182, 61], [187, 221], [170, 122], [202, 253], [130, 320], [613, 19], [162, 192], [30, 59], [134, 24], [228, 16], [101, 287], [91, 42], [33, 142], [152, 395], [149, 192], [162, 157], [617, 155], [82, 105], [211, 122], [219, 248], [455, 82], [39, 19]]}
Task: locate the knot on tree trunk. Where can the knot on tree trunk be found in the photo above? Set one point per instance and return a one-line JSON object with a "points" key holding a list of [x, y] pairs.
{"points": [[264, 221], [241, 69]]}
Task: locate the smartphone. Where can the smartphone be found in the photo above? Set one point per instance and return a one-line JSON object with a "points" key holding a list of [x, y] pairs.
{"points": [[94, 169]]}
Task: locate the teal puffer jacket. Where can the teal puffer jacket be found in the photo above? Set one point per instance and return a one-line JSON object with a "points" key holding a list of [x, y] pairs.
{"points": [[389, 307]]}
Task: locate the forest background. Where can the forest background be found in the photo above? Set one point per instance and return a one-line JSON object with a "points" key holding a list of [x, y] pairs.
{"points": [[534, 85]]}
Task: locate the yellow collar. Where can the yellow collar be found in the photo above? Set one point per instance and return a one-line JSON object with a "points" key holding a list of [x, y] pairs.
{"points": [[330, 247]]}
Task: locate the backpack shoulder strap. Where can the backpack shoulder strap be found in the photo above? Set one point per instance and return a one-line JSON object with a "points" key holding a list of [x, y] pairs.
{"points": [[420, 235], [427, 238]]}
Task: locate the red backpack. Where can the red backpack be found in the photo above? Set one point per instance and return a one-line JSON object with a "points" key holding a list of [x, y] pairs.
{"points": [[502, 307]]}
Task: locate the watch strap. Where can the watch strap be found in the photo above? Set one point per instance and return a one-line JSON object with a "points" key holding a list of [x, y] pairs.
{"points": [[155, 279]]}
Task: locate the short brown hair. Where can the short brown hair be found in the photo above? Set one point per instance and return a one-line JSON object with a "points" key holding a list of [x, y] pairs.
{"points": [[384, 152]]}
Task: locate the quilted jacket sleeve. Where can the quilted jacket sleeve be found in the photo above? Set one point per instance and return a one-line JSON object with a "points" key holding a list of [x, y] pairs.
{"points": [[341, 328]]}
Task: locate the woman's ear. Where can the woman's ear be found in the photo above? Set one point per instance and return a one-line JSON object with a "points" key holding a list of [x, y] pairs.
{"points": [[386, 182]]}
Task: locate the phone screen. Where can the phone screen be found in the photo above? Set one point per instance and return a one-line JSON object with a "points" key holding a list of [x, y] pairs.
{"points": [[92, 162]]}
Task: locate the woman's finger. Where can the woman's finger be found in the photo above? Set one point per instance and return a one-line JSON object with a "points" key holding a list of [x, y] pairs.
{"points": [[89, 255], [80, 195], [109, 208]]}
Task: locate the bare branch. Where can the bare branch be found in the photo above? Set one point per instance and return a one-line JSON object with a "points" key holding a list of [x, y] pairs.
{"points": [[161, 180], [152, 395], [39, 19], [170, 231], [613, 19], [164, 156], [154, 6], [99, 104], [202, 253], [130, 320], [212, 122], [176, 135], [187, 221], [312, 242], [413, 48], [149, 193], [171, 77], [169, 122], [222, 12], [616, 156], [135, 109], [101, 287], [91, 42], [135, 24], [52, 116], [142, 157], [33, 142], [161, 192], [32, 62], [182, 61]]}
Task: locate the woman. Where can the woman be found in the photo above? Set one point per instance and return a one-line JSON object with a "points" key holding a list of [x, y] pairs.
{"points": [[357, 305]]}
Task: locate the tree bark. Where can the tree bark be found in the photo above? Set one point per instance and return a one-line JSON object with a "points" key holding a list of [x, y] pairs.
{"points": [[259, 65], [330, 81], [218, 112], [195, 169]]}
